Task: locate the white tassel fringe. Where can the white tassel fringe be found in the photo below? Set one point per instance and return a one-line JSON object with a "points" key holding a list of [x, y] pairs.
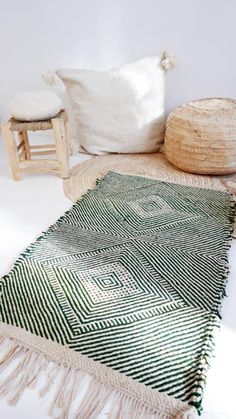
{"points": [[31, 366]]}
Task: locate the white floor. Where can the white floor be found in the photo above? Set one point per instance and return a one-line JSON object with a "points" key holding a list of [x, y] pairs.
{"points": [[30, 206]]}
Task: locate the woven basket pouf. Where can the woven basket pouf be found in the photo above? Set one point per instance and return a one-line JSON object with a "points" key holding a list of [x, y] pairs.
{"points": [[201, 136]]}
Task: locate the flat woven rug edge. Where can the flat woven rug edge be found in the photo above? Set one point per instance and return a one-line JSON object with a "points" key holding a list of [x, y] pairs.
{"points": [[163, 405]]}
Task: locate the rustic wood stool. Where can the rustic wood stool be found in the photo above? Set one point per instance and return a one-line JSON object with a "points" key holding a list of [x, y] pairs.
{"points": [[21, 153]]}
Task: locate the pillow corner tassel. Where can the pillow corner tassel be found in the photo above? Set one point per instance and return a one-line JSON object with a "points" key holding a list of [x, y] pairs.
{"points": [[50, 78], [168, 61]]}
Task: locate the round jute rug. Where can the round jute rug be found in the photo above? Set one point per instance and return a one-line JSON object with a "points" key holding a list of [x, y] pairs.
{"points": [[155, 165]]}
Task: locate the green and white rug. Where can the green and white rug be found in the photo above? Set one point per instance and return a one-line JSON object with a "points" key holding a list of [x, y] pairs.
{"points": [[125, 287]]}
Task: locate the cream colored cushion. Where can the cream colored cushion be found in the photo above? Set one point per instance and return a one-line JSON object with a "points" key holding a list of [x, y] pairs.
{"points": [[35, 105], [120, 110]]}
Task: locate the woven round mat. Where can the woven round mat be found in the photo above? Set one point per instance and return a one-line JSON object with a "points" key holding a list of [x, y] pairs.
{"points": [[155, 165]]}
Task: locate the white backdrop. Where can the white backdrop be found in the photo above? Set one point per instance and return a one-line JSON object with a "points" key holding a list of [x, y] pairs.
{"points": [[37, 36]]}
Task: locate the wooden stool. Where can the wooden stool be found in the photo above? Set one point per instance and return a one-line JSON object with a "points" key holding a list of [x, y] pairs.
{"points": [[21, 155]]}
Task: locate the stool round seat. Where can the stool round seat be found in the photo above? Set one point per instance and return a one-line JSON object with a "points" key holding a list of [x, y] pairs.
{"points": [[201, 136], [35, 105]]}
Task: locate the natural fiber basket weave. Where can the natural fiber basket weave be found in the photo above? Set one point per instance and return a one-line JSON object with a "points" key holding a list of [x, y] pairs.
{"points": [[201, 136]]}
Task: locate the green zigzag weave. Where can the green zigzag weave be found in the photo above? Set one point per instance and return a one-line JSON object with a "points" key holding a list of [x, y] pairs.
{"points": [[132, 276]]}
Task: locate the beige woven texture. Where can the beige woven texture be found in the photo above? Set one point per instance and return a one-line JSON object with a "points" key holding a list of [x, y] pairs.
{"points": [[201, 136], [155, 165], [35, 125]]}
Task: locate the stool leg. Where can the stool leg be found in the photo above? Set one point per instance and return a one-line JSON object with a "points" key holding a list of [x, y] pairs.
{"points": [[23, 135], [21, 141], [61, 146], [11, 149]]}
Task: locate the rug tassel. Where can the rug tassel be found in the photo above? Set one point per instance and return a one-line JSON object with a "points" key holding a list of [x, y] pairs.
{"points": [[230, 185], [66, 393], [57, 401], [22, 377], [51, 376], [40, 368], [93, 402], [13, 381], [13, 353], [138, 411], [72, 394], [123, 406], [115, 408], [32, 365]]}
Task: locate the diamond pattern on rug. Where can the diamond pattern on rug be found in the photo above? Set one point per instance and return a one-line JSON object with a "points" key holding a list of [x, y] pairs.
{"points": [[132, 276], [110, 290], [150, 207]]}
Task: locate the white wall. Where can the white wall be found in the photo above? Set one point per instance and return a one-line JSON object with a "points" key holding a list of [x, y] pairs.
{"points": [[41, 35]]}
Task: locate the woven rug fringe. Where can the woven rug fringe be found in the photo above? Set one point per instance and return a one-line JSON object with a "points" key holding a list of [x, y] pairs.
{"points": [[28, 368]]}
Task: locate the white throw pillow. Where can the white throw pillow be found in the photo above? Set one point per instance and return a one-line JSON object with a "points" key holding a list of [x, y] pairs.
{"points": [[35, 105], [120, 110]]}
